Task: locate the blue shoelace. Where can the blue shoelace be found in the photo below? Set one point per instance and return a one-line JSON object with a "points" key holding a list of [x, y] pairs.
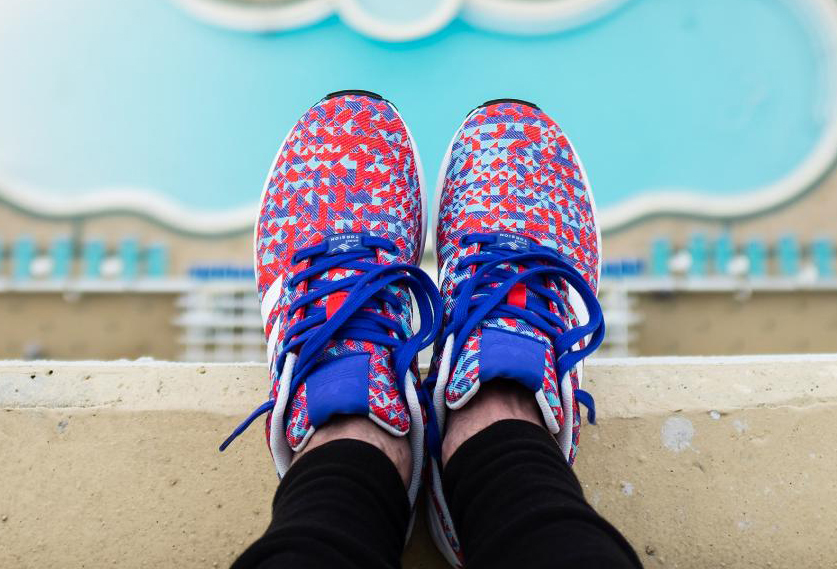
{"points": [[356, 318], [485, 296]]}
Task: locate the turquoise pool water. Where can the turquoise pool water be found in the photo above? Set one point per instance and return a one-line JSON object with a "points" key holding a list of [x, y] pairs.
{"points": [[712, 95]]}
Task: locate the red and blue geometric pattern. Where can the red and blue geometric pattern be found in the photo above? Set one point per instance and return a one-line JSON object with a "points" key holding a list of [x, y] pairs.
{"points": [[511, 172], [347, 166], [512, 169]]}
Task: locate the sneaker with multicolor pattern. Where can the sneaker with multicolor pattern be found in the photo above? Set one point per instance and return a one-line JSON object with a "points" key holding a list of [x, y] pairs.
{"points": [[340, 233], [518, 252]]}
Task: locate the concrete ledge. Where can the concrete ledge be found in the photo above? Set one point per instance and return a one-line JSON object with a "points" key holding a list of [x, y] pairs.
{"points": [[716, 462]]}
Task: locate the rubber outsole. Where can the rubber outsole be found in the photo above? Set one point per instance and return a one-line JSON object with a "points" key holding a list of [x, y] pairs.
{"points": [[505, 100], [359, 92]]}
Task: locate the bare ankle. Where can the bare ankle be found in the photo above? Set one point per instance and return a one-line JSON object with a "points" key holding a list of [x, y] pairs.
{"points": [[495, 401], [363, 429]]}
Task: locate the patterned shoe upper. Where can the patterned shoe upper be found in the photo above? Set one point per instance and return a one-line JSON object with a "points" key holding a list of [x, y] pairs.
{"points": [[513, 186], [337, 241], [518, 253]]}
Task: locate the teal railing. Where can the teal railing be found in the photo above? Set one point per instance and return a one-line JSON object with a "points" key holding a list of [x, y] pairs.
{"points": [[23, 254]]}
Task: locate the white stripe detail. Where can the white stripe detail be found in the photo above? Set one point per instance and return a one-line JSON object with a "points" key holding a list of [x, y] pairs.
{"points": [[271, 341], [442, 382], [271, 297], [439, 404], [279, 448], [437, 532], [565, 435], [442, 272], [416, 437], [548, 416]]}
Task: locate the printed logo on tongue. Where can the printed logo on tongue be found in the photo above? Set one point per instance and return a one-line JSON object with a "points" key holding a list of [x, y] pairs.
{"points": [[512, 242], [345, 243]]}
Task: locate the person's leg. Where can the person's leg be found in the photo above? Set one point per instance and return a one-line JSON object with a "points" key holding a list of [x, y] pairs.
{"points": [[519, 264], [343, 503], [514, 499]]}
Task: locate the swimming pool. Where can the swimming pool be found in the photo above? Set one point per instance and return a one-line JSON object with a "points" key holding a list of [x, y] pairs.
{"points": [[720, 98]]}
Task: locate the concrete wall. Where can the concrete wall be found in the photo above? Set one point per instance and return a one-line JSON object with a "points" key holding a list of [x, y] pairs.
{"points": [[701, 462], [77, 326], [184, 250], [728, 323]]}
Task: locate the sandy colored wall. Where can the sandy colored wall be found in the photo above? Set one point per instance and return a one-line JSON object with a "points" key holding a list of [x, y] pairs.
{"points": [[132, 325], [184, 250], [702, 463], [89, 325], [14, 223], [727, 323]]}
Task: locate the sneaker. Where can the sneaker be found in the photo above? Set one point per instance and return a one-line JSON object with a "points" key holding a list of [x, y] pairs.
{"points": [[518, 252], [339, 236]]}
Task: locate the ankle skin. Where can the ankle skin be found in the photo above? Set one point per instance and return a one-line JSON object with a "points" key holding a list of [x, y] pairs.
{"points": [[495, 401], [362, 429]]}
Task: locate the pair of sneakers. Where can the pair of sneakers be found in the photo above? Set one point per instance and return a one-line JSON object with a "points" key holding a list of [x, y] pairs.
{"points": [[340, 234]]}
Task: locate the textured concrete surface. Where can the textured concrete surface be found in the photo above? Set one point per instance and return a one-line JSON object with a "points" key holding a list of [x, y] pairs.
{"points": [[701, 462]]}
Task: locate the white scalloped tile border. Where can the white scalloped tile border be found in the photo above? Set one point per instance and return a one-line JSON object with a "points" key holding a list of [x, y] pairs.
{"points": [[511, 16]]}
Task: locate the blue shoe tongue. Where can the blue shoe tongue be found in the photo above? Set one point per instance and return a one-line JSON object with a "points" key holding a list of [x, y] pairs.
{"points": [[511, 356], [338, 386], [508, 348]]}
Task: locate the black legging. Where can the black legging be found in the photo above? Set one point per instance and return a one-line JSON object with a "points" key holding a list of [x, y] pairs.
{"points": [[514, 500]]}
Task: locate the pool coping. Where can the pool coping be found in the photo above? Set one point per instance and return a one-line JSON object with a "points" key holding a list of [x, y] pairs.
{"points": [[626, 387], [510, 16], [495, 15], [700, 462], [821, 16]]}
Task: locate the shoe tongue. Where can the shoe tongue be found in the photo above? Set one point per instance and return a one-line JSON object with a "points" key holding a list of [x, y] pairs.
{"points": [[345, 243], [504, 348], [351, 377], [514, 243], [338, 244], [518, 355]]}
